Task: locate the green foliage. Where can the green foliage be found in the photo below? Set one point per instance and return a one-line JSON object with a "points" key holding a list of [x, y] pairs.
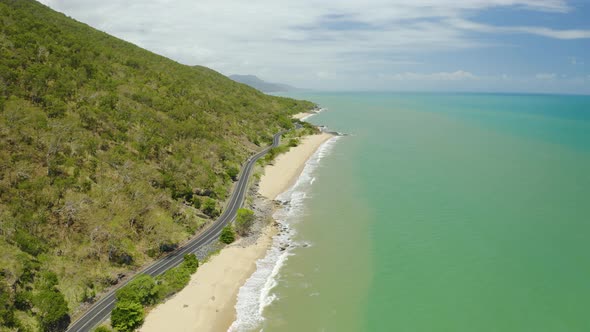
{"points": [[274, 152], [244, 220], [103, 145], [127, 316], [227, 235], [293, 142], [145, 290], [102, 329], [196, 202], [6, 312], [52, 310], [46, 280], [172, 281], [233, 172], [28, 243], [210, 208], [177, 278], [142, 289], [190, 263]]}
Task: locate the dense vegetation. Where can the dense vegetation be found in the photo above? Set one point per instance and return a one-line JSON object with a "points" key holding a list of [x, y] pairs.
{"points": [[227, 235], [244, 220], [145, 290], [109, 157]]}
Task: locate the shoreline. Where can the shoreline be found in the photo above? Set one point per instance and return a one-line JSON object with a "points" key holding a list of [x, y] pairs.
{"points": [[284, 171], [208, 302], [304, 115]]}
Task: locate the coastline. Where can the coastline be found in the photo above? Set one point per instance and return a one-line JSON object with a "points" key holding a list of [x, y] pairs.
{"points": [[282, 174], [304, 115], [208, 302]]}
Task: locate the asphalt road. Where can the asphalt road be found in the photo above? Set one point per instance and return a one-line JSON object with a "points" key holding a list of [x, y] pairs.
{"points": [[101, 310]]}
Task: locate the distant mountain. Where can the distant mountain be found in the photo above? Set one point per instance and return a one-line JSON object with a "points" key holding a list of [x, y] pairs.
{"points": [[261, 85]]}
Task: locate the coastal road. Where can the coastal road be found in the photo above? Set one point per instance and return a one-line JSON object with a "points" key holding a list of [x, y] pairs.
{"points": [[101, 310]]}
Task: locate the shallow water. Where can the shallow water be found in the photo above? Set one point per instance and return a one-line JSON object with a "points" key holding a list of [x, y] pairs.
{"points": [[441, 212]]}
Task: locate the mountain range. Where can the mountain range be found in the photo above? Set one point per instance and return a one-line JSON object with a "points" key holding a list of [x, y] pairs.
{"points": [[261, 85]]}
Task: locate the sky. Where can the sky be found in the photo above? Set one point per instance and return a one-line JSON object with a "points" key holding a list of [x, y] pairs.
{"points": [[540, 46]]}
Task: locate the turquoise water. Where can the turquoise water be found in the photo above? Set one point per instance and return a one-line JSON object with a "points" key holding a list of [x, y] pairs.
{"points": [[443, 212]]}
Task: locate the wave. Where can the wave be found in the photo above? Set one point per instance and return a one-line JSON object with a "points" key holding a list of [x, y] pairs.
{"points": [[256, 294], [312, 114]]}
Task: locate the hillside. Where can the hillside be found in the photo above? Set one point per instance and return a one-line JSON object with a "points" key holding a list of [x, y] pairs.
{"points": [[261, 85], [110, 156]]}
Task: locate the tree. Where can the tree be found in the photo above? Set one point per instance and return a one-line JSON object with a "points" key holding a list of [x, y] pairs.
{"points": [[233, 172], [127, 316], [177, 278], [244, 220], [52, 310], [210, 208], [227, 235], [6, 309], [191, 263], [142, 289]]}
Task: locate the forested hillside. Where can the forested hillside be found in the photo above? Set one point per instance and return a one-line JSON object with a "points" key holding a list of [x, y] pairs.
{"points": [[109, 156]]}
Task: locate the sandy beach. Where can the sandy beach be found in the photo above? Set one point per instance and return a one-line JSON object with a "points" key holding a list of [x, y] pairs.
{"points": [[207, 303], [287, 167], [302, 115]]}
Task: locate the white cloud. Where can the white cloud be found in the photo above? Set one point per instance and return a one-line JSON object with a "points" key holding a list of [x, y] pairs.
{"points": [[540, 31], [306, 42], [546, 76], [458, 75], [574, 61]]}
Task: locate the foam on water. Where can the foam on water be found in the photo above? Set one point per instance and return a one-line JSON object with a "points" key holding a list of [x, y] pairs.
{"points": [[256, 294], [312, 114]]}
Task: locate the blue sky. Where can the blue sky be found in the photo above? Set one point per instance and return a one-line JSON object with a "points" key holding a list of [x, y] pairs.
{"points": [[416, 45]]}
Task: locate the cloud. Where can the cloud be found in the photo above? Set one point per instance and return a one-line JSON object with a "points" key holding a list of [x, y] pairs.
{"points": [[546, 76], [458, 75], [307, 42], [574, 61], [539, 31]]}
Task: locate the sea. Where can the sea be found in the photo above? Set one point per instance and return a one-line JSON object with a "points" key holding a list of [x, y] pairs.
{"points": [[436, 212]]}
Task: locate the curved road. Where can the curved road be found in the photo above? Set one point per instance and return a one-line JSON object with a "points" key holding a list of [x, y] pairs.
{"points": [[101, 310]]}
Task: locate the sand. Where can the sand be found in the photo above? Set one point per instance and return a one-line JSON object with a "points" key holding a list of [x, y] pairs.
{"points": [[302, 115], [207, 303], [286, 168]]}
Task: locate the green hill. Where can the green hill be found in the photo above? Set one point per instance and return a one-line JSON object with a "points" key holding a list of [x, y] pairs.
{"points": [[110, 155]]}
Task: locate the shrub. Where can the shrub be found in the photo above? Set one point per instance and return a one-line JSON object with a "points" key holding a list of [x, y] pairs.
{"points": [[210, 208], [293, 142], [23, 300], [102, 329], [127, 316], [177, 278], [46, 280], [142, 289], [244, 220], [52, 310], [191, 263], [6, 310], [172, 281], [196, 202], [233, 172], [28, 243], [227, 235]]}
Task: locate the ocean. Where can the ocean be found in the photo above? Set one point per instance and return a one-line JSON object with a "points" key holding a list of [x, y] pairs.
{"points": [[439, 212]]}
